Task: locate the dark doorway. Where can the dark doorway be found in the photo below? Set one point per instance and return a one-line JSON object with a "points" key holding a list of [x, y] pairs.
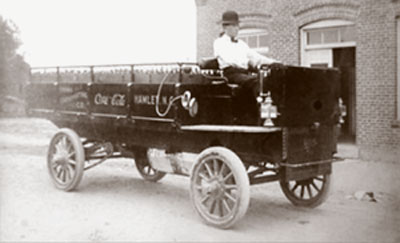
{"points": [[345, 60]]}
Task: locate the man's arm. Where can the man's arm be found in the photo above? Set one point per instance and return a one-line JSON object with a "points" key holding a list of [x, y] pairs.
{"points": [[216, 48], [222, 54], [257, 59]]}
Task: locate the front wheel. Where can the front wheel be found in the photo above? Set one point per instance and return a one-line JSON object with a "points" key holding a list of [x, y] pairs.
{"points": [[220, 188], [309, 192], [66, 159]]}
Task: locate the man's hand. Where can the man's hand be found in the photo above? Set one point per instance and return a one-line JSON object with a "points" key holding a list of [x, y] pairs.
{"points": [[274, 65]]}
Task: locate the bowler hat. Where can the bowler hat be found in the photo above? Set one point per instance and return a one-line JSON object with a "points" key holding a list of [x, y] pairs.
{"points": [[230, 17]]}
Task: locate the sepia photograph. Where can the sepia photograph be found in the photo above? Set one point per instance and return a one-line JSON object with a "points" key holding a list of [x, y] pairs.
{"points": [[199, 121]]}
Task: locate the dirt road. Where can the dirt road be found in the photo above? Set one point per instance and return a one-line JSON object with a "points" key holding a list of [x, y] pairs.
{"points": [[113, 203]]}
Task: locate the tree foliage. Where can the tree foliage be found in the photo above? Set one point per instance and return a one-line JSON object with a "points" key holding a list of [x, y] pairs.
{"points": [[14, 71]]}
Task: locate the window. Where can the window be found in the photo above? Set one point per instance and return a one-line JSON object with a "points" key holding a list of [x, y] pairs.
{"points": [[319, 39], [330, 35], [348, 33], [314, 38], [257, 39]]}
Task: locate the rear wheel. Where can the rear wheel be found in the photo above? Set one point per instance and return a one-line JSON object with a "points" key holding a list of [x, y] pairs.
{"points": [[309, 192], [220, 188], [66, 159], [144, 167]]}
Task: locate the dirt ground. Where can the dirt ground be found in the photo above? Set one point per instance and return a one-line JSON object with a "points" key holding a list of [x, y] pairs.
{"points": [[113, 203]]}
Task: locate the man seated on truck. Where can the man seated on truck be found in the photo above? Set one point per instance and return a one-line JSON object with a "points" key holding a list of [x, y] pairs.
{"points": [[235, 57]]}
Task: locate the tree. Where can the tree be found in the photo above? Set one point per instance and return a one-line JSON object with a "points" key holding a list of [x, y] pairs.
{"points": [[14, 71]]}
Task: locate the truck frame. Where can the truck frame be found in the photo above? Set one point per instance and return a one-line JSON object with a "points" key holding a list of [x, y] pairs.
{"points": [[159, 114]]}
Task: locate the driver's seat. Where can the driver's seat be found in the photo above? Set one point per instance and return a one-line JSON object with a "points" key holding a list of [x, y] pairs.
{"points": [[209, 63], [212, 63]]}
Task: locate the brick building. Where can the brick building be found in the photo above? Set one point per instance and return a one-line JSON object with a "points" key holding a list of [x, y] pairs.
{"points": [[360, 37]]}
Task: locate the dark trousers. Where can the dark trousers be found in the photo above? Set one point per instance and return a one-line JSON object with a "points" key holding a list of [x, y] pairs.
{"points": [[246, 103], [245, 80]]}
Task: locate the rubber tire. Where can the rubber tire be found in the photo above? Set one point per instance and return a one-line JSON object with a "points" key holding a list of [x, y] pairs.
{"points": [[141, 161], [241, 178], [309, 203], [79, 159]]}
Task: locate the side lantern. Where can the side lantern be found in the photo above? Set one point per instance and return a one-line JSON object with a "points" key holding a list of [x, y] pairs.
{"points": [[342, 110], [189, 103], [267, 109], [193, 107], [186, 99]]}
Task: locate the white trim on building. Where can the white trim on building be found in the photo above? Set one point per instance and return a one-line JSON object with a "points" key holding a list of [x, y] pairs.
{"points": [[319, 38]]}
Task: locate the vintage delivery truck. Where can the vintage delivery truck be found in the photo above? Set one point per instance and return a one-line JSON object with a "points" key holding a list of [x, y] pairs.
{"points": [[155, 113]]}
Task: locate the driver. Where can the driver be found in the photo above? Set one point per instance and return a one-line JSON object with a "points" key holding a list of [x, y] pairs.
{"points": [[235, 58]]}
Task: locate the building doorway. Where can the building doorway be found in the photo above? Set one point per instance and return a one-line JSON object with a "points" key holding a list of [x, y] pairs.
{"points": [[331, 43], [344, 60]]}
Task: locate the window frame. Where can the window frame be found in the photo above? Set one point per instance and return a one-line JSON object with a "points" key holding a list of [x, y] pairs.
{"points": [[245, 33], [324, 25]]}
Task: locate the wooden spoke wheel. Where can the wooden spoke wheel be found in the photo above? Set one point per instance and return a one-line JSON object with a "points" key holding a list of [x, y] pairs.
{"points": [[220, 188], [309, 192], [144, 167], [66, 159]]}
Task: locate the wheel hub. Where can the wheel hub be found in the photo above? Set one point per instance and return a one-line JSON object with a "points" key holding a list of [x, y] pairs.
{"points": [[61, 158], [305, 182], [216, 188]]}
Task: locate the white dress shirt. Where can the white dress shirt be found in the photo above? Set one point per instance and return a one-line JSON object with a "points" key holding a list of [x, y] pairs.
{"points": [[237, 54]]}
